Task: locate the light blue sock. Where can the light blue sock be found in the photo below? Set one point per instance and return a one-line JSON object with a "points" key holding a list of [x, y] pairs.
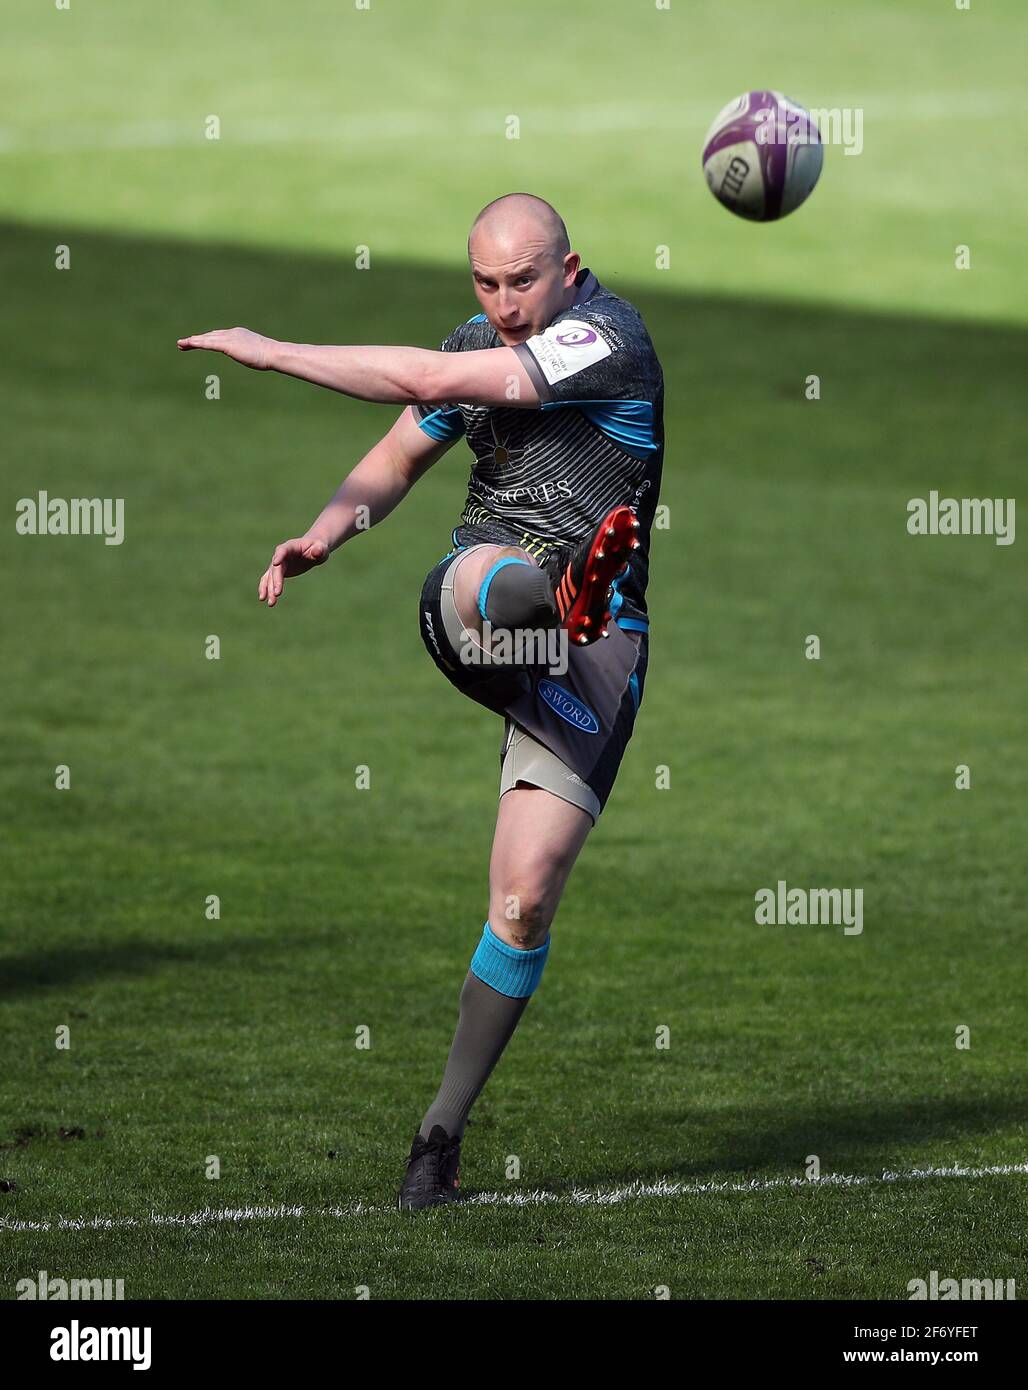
{"points": [[506, 969]]}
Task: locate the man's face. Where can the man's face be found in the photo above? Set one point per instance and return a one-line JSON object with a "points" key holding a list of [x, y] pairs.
{"points": [[521, 287]]}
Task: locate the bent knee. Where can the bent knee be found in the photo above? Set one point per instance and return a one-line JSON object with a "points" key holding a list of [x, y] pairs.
{"points": [[467, 580], [521, 918]]}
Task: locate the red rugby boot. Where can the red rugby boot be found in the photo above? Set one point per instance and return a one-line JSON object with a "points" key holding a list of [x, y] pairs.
{"points": [[583, 590]]}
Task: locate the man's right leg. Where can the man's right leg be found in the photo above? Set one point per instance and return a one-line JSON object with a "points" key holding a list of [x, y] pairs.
{"points": [[504, 585]]}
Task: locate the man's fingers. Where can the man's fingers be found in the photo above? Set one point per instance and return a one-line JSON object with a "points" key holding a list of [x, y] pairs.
{"points": [[271, 580], [214, 341], [295, 556], [278, 561]]}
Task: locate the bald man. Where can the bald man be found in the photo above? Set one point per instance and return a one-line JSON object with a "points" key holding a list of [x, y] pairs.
{"points": [[538, 609]]}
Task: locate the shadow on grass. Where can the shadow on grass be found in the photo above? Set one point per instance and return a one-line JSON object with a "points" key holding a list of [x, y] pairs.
{"points": [[78, 966], [855, 1136], [899, 394]]}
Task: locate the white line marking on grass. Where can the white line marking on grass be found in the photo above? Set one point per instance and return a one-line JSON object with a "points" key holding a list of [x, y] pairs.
{"points": [[664, 1187], [578, 1197], [364, 128]]}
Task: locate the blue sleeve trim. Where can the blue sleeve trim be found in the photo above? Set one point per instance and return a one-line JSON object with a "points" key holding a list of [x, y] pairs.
{"points": [[634, 624], [628, 423], [484, 588], [444, 424], [633, 685]]}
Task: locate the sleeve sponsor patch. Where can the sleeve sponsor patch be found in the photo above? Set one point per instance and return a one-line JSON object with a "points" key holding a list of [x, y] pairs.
{"points": [[566, 348]]}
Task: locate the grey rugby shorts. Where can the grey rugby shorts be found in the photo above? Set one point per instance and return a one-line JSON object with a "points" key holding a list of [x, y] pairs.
{"points": [[564, 730]]}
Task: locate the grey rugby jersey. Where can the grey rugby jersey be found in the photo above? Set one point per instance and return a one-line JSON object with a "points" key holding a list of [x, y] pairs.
{"points": [[544, 479]]}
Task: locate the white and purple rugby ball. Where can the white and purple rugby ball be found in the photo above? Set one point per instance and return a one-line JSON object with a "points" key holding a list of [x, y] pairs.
{"points": [[762, 156]]}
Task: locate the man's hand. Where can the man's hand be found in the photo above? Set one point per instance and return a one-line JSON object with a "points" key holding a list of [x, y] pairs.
{"points": [[252, 349], [290, 559]]}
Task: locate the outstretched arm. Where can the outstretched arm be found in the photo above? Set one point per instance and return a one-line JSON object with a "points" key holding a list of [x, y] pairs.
{"points": [[491, 376], [381, 480]]}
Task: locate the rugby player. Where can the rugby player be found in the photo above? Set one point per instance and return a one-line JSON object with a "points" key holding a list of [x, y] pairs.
{"points": [[559, 393]]}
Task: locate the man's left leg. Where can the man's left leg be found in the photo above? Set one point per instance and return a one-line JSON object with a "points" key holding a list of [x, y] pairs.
{"points": [[537, 840]]}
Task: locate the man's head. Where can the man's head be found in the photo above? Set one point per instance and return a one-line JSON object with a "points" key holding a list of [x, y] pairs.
{"points": [[522, 265]]}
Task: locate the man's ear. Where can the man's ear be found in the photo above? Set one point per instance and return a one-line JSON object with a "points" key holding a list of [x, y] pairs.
{"points": [[572, 265]]}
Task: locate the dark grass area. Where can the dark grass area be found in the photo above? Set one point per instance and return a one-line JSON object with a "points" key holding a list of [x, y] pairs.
{"points": [[343, 909]]}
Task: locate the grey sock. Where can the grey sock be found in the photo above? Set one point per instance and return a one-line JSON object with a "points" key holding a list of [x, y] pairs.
{"points": [[487, 1022], [520, 595]]}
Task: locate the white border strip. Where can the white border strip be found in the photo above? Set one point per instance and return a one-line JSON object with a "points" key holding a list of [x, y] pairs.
{"points": [[578, 1197]]}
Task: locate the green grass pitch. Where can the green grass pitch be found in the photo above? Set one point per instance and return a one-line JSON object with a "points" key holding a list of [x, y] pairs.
{"points": [[344, 909]]}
